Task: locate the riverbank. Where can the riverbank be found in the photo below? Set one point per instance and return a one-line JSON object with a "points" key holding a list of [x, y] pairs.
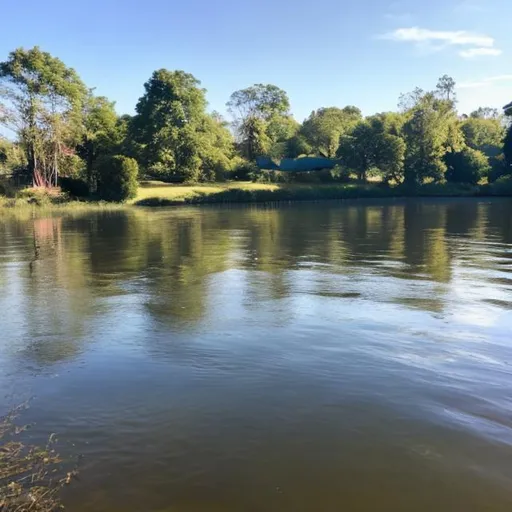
{"points": [[263, 193], [158, 194], [172, 195]]}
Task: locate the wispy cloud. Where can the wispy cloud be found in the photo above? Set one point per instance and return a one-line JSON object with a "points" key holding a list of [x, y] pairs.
{"points": [[480, 52], [485, 82], [419, 35], [436, 40]]}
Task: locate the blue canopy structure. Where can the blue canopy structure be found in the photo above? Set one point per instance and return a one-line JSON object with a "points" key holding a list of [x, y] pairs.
{"points": [[304, 164]]}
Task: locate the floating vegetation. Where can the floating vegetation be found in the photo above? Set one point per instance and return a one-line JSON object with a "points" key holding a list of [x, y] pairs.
{"points": [[31, 477]]}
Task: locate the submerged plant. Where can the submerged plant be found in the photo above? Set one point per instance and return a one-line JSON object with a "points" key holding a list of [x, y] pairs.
{"points": [[30, 477]]}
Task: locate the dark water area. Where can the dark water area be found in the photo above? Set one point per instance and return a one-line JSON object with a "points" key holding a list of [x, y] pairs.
{"points": [[324, 357]]}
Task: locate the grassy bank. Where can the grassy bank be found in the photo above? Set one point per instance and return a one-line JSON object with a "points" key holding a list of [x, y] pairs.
{"points": [[253, 192], [162, 194]]}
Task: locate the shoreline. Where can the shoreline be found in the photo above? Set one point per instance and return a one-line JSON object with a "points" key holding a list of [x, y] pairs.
{"points": [[200, 195]]}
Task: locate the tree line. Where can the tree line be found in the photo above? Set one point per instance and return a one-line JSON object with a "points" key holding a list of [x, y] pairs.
{"points": [[66, 135]]}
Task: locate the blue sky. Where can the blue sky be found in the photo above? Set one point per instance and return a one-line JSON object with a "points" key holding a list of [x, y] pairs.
{"points": [[322, 52]]}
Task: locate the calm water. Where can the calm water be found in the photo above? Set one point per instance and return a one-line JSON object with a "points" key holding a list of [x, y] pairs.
{"points": [[351, 357]]}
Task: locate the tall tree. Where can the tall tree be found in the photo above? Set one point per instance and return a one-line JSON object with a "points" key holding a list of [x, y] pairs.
{"points": [[176, 138], [262, 120], [324, 127], [445, 88], [42, 102], [507, 142], [430, 131], [484, 133], [466, 166], [216, 147], [11, 156], [168, 117], [260, 100], [100, 135], [373, 145], [485, 113]]}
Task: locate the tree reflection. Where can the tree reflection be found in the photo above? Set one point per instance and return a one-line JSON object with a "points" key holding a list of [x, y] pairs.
{"points": [[174, 263]]}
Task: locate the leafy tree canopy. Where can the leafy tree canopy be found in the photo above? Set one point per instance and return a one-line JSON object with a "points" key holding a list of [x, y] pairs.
{"points": [[324, 127]]}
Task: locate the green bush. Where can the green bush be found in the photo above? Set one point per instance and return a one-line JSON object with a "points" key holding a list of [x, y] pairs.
{"points": [[499, 168], [335, 175], [466, 166], [36, 196], [502, 186], [118, 178], [75, 187], [6, 189], [245, 171], [266, 176]]}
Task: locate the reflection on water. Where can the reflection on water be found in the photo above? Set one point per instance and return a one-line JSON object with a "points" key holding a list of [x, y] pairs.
{"points": [[310, 357]]}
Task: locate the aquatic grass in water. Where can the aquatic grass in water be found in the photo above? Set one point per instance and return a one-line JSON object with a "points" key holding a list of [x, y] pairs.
{"points": [[30, 476]]}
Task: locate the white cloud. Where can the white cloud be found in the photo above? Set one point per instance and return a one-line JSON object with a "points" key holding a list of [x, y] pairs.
{"points": [[418, 35], [480, 52], [435, 40]]}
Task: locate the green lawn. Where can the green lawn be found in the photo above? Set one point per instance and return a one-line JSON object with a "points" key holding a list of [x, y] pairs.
{"points": [[171, 192]]}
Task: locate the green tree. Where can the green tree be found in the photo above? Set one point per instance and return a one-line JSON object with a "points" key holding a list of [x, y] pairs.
{"points": [[169, 116], [485, 113], [298, 146], [216, 147], [100, 137], [484, 134], [430, 131], [507, 141], [373, 144], [260, 100], [280, 130], [262, 121], [41, 101], [324, 127], [466, 166], [118, 178], [172, 133], [254, 140], [507, 150], [445, 88], [11, 156]]}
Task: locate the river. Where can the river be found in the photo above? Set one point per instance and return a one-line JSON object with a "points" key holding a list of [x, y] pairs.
{"points": [[311, 357]]}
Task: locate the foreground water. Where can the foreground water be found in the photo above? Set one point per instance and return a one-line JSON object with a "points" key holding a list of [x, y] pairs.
{"points": [[306, 358]]}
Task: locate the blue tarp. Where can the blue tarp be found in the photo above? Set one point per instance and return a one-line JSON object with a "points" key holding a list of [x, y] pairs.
{"points": [[304, 164]]}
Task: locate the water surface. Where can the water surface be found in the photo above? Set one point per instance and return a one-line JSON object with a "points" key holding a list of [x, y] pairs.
{"points": [[326, 357]]}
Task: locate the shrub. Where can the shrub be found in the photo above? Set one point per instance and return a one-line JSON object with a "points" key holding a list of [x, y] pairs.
{"points": [[466, 166], [6, 188], [245, 171], [265, 176], [499, 168], [75, 187], [34, 195], [118, 178], [502, 186], [340, 174]]}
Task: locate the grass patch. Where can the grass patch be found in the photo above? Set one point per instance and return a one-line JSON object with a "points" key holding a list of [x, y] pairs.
{"points": [[30, 476], [154, 193], [257, 192]]}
